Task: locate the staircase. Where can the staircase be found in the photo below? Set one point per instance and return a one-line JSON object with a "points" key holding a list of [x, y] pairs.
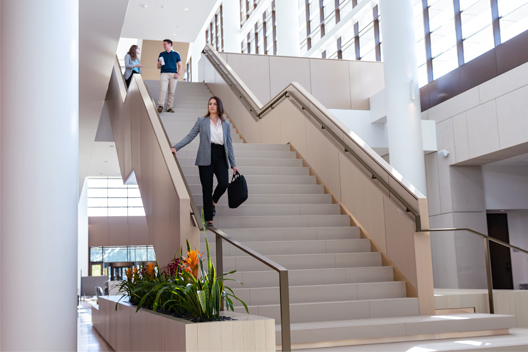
{"points": [[340, 293]]}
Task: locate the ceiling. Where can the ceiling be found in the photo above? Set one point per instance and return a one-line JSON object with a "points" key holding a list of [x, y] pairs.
{"points": [[166, 19]]}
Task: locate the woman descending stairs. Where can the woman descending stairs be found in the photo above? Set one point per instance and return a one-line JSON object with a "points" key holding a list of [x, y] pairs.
{"points": [[339, 289]]}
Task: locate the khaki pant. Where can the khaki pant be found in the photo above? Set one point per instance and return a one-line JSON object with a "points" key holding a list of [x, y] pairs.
{"points": [[167, 80]]}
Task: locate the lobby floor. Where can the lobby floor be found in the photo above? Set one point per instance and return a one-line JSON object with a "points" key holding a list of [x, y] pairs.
{"points": [[89, 340]]}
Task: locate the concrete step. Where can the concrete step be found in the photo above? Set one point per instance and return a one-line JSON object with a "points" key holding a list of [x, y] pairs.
{"points": [[314, 276], [251, 162], [272, 189], [291, 234], [261, 199], [340, 310], [407, 328], [279, 210], [250, 146], [323, 293], [265, 180], [229, 222], [296, 247], [243, 154], [305, 261], [257, 170]]}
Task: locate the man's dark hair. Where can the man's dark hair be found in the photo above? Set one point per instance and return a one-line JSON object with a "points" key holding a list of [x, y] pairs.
{"points": [[168, 41]]}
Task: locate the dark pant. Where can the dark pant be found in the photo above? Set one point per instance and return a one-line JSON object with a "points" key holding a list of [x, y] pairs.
{"points": [[219, 168], [129, 79]]}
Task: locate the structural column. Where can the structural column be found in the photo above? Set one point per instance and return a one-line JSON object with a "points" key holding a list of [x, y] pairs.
{"points": [[402, 92], [287, 17], [39, 174]]}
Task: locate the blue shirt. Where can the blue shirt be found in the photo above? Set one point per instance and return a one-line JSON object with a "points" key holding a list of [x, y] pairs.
{"points": [[171, 60], [136, 62]]}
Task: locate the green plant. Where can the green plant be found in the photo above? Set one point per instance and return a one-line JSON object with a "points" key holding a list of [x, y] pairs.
{"points": [[184, 287]]}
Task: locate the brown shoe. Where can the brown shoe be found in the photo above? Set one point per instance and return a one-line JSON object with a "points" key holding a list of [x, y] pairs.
{"points": [[160, 108], [170, 110]]}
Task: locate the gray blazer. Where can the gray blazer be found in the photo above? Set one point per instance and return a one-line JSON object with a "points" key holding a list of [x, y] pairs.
{"points": [[202, 126], [129, 65]]}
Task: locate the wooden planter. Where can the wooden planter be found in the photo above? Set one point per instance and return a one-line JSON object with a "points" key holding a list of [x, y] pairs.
{"points": [[126, 330]]}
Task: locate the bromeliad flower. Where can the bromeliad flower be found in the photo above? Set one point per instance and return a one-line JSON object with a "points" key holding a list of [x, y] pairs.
{"points": [[128, 273], [192, 263], [149, 270], [171, 269]]}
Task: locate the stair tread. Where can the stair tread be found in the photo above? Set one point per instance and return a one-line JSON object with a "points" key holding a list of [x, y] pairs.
{"points": [[337, 302]]}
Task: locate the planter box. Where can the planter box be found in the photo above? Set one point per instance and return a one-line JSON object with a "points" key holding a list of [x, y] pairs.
{"points": [[126, 330]]}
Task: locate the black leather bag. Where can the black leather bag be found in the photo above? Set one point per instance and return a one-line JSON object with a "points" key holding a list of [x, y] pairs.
{"points": [[237, 191]]}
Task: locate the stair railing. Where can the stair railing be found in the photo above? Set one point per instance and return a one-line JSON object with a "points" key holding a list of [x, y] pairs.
{"points": [[179, 179]]}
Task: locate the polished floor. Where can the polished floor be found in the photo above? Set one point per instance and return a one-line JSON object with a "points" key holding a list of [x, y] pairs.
{"points": [[89, 340]]}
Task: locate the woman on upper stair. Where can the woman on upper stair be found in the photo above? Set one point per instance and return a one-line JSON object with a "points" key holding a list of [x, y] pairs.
{"points": [[215, 154]]}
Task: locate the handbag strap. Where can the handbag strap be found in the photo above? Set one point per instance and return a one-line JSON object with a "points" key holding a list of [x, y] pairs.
{"points": [[235, 176]]}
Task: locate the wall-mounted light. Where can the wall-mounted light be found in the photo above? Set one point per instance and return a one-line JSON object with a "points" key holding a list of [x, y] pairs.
{"points": [[412, 90], [443, 153]]}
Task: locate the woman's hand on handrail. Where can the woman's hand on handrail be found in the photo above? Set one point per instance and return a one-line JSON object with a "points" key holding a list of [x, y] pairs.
{"points": [[173, 150]]}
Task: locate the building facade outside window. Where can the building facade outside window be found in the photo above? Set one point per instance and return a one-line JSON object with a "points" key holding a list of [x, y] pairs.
{"points": [[262, 37]]}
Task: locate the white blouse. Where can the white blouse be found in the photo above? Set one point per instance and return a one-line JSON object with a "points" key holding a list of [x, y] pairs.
{"points": [[217, 132]]}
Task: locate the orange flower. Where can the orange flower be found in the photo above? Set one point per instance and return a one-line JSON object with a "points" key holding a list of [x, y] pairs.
{"points": [[149, 270], [136, 273], [128, 273], [192, 263]]}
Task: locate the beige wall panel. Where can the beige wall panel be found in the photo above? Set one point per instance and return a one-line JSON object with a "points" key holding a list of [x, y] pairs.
{"points": [[399, 234], [366, 78], [323, 157], [270, 128], [284, 70], [483, 129], [98, 235], [461, 137], [139, 235], [293, 127], [443, 246], [433, 189], [512, 113], [363, 200], [454, 106], [503, 84], [118, 234], [444, 131], [467, 188], [331, 83], [254, 71]]}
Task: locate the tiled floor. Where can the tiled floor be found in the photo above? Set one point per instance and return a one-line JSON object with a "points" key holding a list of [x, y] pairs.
{"points": [[88, 340]]}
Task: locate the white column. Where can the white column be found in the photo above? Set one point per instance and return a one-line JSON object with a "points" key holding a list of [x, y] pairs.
{"points": [[287, 21], [231, 14], [39, 174], [401, 83]]}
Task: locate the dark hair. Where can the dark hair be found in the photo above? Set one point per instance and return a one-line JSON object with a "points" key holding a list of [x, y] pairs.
{"points": [[132, 52], [219, 107], [168, 41]]}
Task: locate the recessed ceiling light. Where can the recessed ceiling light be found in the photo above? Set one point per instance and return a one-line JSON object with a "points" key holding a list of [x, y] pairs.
{"points": [[163, 6], [186, 9], [173, 33], [144, 6]]}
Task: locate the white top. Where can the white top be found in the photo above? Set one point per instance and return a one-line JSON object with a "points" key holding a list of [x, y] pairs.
{"points": [[217, 132]]}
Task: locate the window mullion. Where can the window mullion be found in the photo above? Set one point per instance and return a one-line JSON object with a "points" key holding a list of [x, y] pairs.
{"points": [[458, 31], [427, 41], [496, 22]]}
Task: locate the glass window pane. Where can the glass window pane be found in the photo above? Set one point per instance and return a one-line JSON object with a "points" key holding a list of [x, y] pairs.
{"points": [[97, 202], [136, 212], [116, 182], [349, 50], [117, 202], [115, 254], [135, 202], [150, 253], [367, 44], [475, 17], [514, 18], [96, 254], [141, 254], [93, 212], [97, 182], [97, 193], [445, 63], [117, 192], [478, 44], [117, 212]]}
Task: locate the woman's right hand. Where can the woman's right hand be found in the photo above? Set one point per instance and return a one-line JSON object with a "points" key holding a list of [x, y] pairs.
{"points": [[173, 150]]}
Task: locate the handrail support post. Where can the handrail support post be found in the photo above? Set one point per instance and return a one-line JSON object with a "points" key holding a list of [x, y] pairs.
{"points": [[285, 311], [219, 262], [488, 275]]}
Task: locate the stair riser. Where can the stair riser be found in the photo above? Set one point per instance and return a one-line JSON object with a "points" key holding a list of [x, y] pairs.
{"points": [[241, 162], [330, 276], [291, 234], [304, 262], [300, 247], [264, 180], [326, 293], [250, 146], [279, 210], [228, 222], [244, 154], [265, 199], [272, 189], [257, 170], [331, 311]]}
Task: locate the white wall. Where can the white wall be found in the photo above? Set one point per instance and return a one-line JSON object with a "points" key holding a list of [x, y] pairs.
{"points": [[82, 255], [506, 187], [518, 231]]}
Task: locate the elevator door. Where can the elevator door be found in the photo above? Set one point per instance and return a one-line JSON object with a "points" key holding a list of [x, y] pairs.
{"points": [[501, 267]]}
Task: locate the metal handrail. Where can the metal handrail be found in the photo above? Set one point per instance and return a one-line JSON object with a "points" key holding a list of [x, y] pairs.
{"points": [[258, 112], [487, 240], [220, 236]]}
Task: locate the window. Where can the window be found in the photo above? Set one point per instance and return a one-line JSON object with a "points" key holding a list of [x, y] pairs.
{"points": [[443, 37], [477, 30], [122, 254], [246, 9], [262, 38], [108, 196], [513, 16], [215, 34]]}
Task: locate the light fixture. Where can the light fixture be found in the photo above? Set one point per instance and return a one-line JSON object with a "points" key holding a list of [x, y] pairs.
{"points": [[443, 153], [173, 33], [163, 6], [412, 90], [186, 9], [144, 6]]}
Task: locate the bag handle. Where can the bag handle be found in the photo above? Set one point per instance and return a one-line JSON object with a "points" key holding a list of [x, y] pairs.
{"points": [[235, 176]]}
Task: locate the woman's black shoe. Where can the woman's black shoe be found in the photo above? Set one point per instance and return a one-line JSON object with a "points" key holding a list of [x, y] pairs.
{"points": [[210, 224], [214, 210]]}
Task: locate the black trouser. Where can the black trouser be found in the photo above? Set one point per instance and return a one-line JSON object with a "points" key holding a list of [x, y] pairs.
{"points": [[219, 168], [129, 79]]}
